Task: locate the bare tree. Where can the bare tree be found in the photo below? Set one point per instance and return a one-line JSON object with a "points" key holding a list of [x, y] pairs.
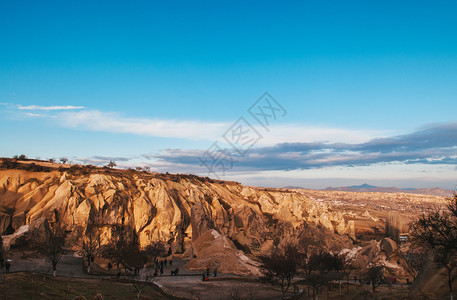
{"points": [[51, 244], [321, 268], [64, 160], [3, 253], [447, 260], [154, 250], [416, 259], [374, 275], [89, 243], [121, 248], [140, 280], [436, 231], [52, 160], [282, 264], [111, 164]]}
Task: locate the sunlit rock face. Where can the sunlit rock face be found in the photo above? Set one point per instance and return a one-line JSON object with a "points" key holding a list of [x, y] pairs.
{"points": [[177, 209]]}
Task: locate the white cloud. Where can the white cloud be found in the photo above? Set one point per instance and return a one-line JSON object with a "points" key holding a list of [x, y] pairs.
{"points": [[94, 120], [37, 107], [35, 115], [210, 131], [111, 122]]}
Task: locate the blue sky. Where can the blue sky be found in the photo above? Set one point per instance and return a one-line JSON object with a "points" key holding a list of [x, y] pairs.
{"points": [[368, 87]]}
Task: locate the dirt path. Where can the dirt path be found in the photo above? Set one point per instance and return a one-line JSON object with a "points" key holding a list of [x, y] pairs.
{"points": [[187, 284]]}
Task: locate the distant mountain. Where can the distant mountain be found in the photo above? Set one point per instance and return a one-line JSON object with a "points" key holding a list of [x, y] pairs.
{"points": [[371, 188], [362, 186], [291, 187]]}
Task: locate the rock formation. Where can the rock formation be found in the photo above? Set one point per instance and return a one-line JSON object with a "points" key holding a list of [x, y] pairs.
{"points": [[176, 209], [213, 223]]}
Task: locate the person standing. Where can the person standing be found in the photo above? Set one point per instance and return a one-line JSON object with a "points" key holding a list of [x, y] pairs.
{"points": [[7, 265]]}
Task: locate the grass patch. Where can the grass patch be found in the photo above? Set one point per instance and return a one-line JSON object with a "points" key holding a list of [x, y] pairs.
{"points": [[36, 286]]}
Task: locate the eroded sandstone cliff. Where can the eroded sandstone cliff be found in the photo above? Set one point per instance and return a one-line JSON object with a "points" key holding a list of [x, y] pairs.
{"points": [[175, 209]]}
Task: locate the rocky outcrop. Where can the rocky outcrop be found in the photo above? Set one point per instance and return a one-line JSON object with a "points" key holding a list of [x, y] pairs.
{"points": [[158, 208], [383, 253], [22, 236], [213, 250], [176, 209]]}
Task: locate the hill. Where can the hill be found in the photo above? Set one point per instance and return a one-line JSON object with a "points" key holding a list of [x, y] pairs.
{"points": [[209, 222]]}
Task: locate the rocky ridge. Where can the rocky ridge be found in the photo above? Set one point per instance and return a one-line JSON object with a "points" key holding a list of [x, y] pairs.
{"points": [[213, 223], [175, 209]]}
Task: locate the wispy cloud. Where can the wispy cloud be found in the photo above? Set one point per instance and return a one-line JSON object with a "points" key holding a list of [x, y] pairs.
{"points": [[113, 158], [48, 108], [203, 130], [38, 115], [94, 120], [103, 160], [112, 122]]}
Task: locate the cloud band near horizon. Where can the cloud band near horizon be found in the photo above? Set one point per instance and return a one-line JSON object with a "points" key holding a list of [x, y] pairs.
{"points": [[436, 144]]}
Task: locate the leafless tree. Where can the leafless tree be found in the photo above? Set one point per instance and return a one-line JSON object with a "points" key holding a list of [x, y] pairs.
{"points": [[3, 253], [321, 268], [111, 164], [374, 275], [282, 264], [417, 260], [140, 280], [154, 250], [89, 243], [51, 245], [436, 231], [122, 248], [64, 160]]}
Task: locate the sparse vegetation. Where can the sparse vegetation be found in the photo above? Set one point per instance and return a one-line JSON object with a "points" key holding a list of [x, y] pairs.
{"points": [[436, 231], [141, 280], [321, 268], [89, 243], [155, 250], [3, 253], [123, 248], [51, 245], [25, 286], [282, 264], [374, 276], [9, 163]]}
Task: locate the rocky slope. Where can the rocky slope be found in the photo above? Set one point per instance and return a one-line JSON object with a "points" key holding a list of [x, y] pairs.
{"points": [[214, 223], [176, 209]]}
